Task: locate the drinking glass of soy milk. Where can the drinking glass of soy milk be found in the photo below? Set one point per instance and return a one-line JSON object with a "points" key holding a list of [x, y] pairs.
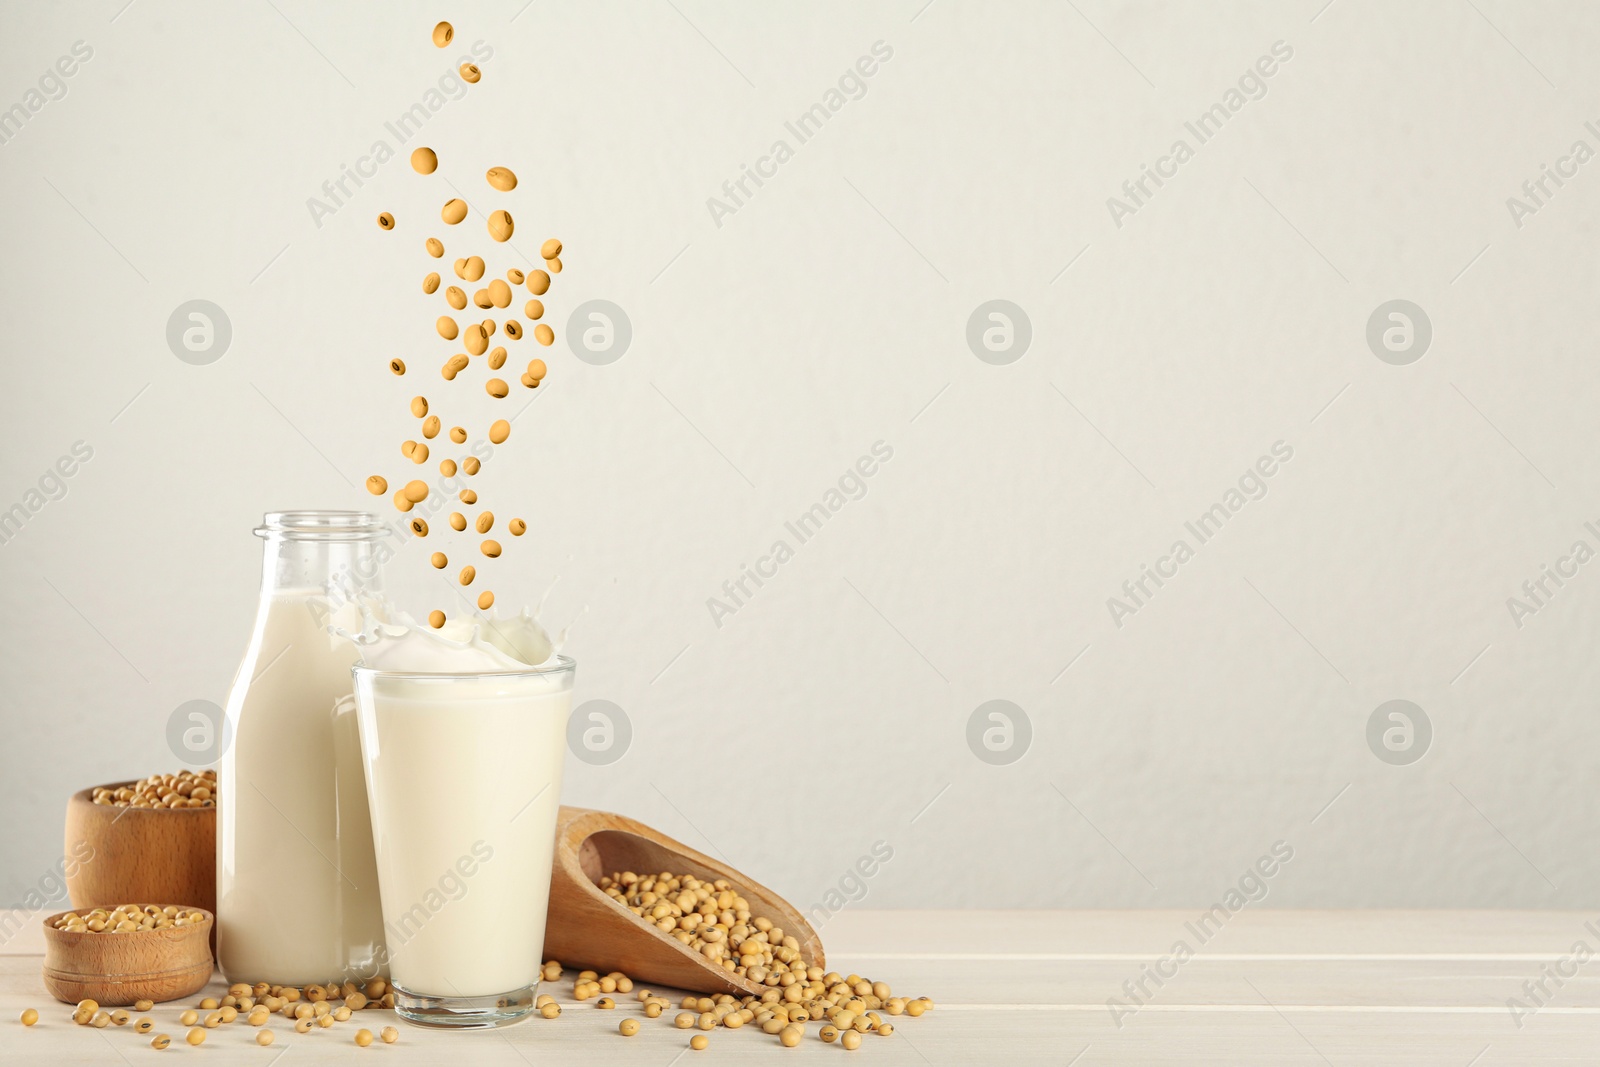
{"points": [[462, 746]]}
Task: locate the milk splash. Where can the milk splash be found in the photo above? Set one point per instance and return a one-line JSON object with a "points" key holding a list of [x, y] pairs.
{"points": [[391, 640]]}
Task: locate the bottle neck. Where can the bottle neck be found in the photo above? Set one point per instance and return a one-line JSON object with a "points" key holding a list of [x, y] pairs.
{"points": [[344, 568], [334, 552]]}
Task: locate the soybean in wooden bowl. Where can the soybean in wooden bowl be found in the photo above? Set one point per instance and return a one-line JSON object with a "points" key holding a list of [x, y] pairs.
{"points": [[129, 853], [118, 969]]}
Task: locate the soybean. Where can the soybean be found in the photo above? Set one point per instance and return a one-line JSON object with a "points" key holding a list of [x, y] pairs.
{"points": [[264, 1037], [160, 1041], [488, 327], [485, 602], [435, 620], [458, 522], [385, 221], [550, 1011], [430, 427], [420, 453], [538, 283], [550, 249], [458, 435], [698, 1042], [470, 73], [474, 268], [536, 368], [490, 548], [419, 526], [454, 210], [30, 1016], [501, 178], [416, 491], [514, 329], [534, 309], [376, 485], [398, 366], [455, 297], [419, 406], [453, 366], [435, 247], [443, 34], [501, 227], [390, 1035], [500, 293], [467, 574], [531, 383], [517, 527], [439, 560], [363, 1037], [497, 358], [424, 161], [485, 522], [467, 495], [476, 340], [499, 431], [496, 387], [430, 284], [515, 276], [447, 328], [544, 334], [196, 1036], [628, 1027], [482, 299], [554, 265], [447, 467]]}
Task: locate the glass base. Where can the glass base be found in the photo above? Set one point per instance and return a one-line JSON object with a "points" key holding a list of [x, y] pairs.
{"points": [[464, 1013]]}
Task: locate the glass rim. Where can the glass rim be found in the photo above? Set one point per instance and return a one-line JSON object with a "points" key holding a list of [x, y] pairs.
{"points": [[308, 524], [558, 664]]}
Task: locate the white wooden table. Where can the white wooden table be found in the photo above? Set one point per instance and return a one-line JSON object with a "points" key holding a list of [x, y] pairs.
{"points": [[1273, 987]]}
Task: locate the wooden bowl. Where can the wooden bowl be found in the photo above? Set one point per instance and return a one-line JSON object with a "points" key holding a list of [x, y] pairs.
{"points": [[587, 928], [128, 855], [119, 969]]}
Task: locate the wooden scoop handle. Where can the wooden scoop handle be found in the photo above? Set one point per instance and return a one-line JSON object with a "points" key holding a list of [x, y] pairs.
{"points": [[588, 929]]}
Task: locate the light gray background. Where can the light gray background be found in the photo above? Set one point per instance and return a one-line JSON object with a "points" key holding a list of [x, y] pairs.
{"points": [[830, 312]]}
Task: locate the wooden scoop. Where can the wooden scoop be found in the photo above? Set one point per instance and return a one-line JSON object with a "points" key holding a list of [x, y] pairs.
{"points": [[588, 929]]}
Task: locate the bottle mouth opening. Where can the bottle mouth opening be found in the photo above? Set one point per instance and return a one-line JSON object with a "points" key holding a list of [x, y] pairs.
{"points": [[321, 526]]}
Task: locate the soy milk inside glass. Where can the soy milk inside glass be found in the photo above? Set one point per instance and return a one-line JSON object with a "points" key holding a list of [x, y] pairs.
{"points": [[463, 729]]}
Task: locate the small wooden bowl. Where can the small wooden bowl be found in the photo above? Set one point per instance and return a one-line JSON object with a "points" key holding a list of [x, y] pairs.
{"points": [[127, 855], [119, 969]]}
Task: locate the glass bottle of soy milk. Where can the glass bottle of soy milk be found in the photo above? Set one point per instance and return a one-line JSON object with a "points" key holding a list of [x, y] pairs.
{"points": [[297, 886]]}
